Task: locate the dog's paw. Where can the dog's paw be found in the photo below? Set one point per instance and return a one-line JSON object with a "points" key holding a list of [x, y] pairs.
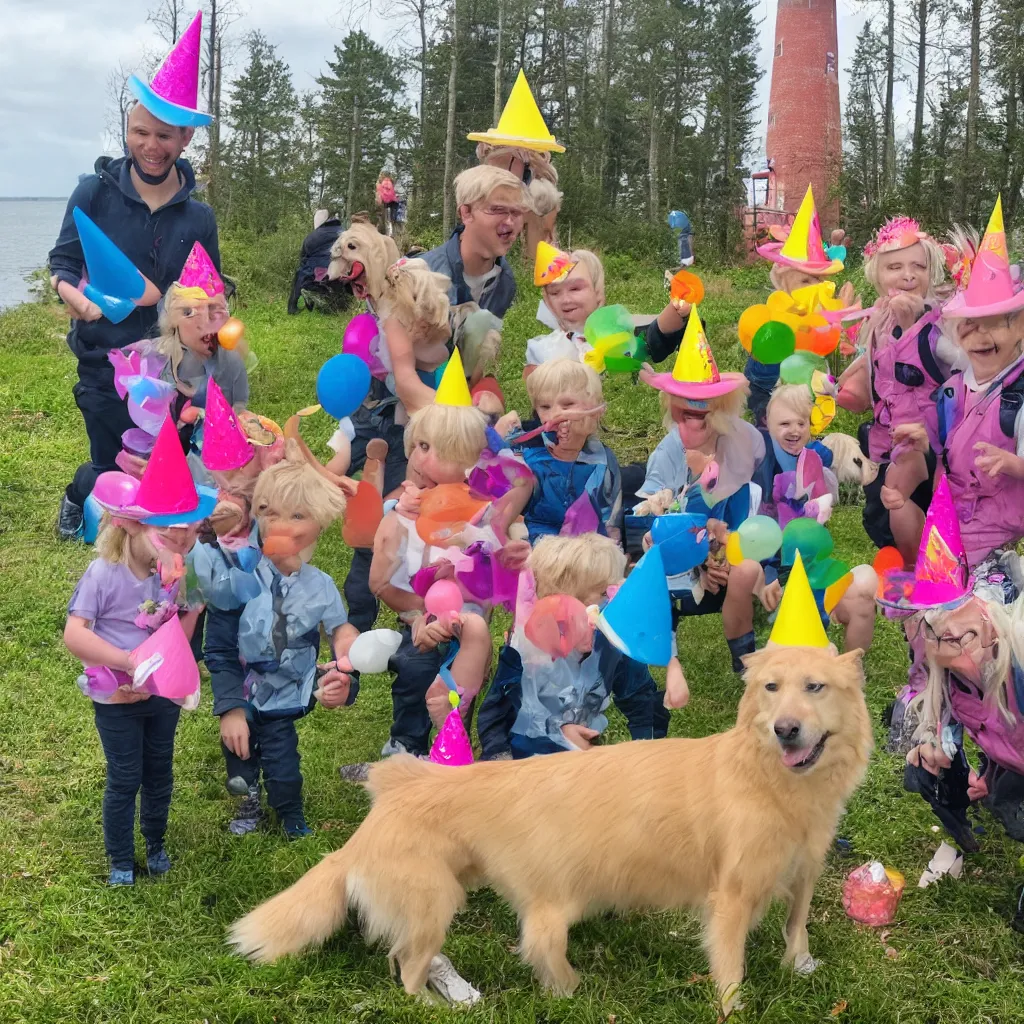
{"points": [[731, 1001], [805, 964]]}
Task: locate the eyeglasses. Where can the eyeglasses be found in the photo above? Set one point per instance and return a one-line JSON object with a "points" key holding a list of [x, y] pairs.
{"points": [[505, 212]]}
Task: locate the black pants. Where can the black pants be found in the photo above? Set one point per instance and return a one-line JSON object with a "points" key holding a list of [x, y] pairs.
{"points": [[274, 748], [414, 671], [369, 423], [138, 743], [106, 419]]}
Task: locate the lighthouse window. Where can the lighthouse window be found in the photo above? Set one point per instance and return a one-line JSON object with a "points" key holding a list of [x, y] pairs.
{"points": [[778, 48], [830, 63]]}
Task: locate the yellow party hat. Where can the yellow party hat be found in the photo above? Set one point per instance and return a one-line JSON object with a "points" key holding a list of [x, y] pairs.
{"points": [[453, 389], [798, 623], [694, 362], [551, 264], [796, 245], [521, 123], [995, 234]]}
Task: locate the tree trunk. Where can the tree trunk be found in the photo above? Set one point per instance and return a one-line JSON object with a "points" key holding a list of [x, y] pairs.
{"points": [[212, 104], [498, 66], [971, 130], [609, 43], [916, 153], [889, 136], [353, 159], [449, 139], [652, 157]]}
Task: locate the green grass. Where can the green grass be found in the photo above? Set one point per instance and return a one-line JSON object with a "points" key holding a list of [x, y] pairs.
{"points": [[72, 949]]}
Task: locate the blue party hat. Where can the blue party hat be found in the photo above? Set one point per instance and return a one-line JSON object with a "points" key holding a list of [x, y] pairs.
{"points": [[638, 619], [115, 284]]}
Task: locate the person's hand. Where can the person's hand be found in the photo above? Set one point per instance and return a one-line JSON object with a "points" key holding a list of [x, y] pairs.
{"points": [[489, 404], [509, 422], [906, 308], [697, 461], [427, 635], [78, 306], [714, 575], [993, 460], [846, 294], [129, 664], [892, 498], [514, 554], [977, 787], [335, 684], [234, 732], [913, 434], [579, 735], [770, 596], [682, 307], [929, 757], [648, 541], [409, 500], [126, 695], [133, 465], [228, 516]]}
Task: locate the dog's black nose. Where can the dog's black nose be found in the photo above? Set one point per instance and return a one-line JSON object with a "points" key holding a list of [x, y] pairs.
{"points": [[787, 729]]}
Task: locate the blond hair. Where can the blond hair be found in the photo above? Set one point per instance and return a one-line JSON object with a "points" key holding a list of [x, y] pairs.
{"points": [[558, 376], [296, 484], [936, 264], [795, 397], [476, 184], [112, 541], [591, 263], [723, 410], [457, 433], [418, 299], [576, 565], [169, 344]]}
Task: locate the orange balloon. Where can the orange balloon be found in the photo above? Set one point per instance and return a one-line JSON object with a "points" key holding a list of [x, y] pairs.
{"points": [[751, 321], [687, 287], [231, 333], [363, 513], [445, 510], [886, 560], [820, 341]]}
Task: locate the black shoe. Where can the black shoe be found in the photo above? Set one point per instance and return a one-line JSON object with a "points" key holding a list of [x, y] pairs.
{"points": [[249, 815], [70, 519]]}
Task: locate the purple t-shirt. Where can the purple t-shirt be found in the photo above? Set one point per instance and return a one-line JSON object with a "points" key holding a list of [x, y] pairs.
{"points": [[109, 595]]}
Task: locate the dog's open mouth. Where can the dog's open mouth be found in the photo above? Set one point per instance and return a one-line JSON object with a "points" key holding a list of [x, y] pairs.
{"points": [[801, 758], [356, 280]]}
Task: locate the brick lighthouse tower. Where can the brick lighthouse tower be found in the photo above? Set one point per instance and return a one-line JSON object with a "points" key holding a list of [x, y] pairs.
{"points": [[803, 144]]}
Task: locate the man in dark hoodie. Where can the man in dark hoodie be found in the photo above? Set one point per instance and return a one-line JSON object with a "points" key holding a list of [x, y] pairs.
{"points": [[143, 203]]}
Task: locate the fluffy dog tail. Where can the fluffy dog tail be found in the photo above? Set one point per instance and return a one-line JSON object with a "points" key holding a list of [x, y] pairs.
{"points": [[305, 914]]}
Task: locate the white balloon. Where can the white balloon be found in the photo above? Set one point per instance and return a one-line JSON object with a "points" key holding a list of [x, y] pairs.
{"points": [[372, 651]]}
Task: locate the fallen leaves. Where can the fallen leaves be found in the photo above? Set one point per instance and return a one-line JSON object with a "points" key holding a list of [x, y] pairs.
{"points": [[839, 1008]]}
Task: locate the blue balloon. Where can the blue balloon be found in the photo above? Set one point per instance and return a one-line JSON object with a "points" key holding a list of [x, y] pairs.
{"points": [[683, 540], [248, 558], [92, 513], [342, 384]]}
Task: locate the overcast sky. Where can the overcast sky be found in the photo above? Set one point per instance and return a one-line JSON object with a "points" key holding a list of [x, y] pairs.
{"points": [[56, 55]]}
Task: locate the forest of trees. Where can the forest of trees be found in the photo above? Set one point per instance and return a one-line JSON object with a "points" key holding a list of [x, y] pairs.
{"points": [[654, 100]]}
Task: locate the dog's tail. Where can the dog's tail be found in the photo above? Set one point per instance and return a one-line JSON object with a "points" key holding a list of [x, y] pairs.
{"points": [[305, 914]]}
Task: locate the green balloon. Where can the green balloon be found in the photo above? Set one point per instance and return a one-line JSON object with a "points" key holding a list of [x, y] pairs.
{"points": [[799, 368], [606, 322], [821, 575], [760, 537], [773, 342], [808, 537]]}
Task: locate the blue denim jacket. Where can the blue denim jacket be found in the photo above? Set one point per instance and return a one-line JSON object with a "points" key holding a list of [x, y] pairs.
{"points": [[447, 259]]}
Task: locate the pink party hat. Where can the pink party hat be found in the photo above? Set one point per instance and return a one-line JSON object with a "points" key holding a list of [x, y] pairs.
{"points": [[451, 745], [199, 272], [990, 289], [940, 578], [176, 674], [896, 233], [166, 488], [225, 446], [173, 94]]}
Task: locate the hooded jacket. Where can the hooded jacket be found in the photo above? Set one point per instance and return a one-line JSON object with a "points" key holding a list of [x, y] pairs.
{"points": [[157, 242]]}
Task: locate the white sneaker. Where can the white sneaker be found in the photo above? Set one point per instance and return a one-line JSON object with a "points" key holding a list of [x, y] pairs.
{"points": [[393, 747], [449, 984]]}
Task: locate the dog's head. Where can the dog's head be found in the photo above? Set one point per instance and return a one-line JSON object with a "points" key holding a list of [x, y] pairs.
{"points": [[849, 463], [805, 706], [360, 258]]}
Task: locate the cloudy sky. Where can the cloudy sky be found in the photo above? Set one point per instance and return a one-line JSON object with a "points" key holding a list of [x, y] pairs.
{"points": [[57, 55]]}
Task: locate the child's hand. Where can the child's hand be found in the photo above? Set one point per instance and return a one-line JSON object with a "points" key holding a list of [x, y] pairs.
{"points": [[714, 576], [409, 501], [234, 732], [509, 422], [929, 757], [697, 461], [489, 404], [770, 596], [130, 663], [648, 541], [427, 635], [892, 499], [126, 695], [906, 308], [682, 307], [977, 787], [913, 434], [997, 461], [227, 516], [514, 554], [677, 691], [579, 735]]}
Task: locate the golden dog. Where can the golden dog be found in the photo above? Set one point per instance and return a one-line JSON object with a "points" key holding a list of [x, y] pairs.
{"points": [[719, 824], [360, 258]]}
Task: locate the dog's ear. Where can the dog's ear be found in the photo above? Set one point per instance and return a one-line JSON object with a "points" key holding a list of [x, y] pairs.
{"points": [[855, 660]]}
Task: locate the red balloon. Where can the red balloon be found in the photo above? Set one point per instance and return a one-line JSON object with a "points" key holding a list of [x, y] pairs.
{"points": [[363, 513], [558, 625]]}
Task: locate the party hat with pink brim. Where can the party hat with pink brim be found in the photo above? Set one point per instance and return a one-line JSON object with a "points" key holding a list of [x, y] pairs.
{"points": [[802, 249], [199, 272], [695, 374], [167, 489], [167, 655], [173, 94], [225, 445], [941, 578], [990, 289], [451, 745]]}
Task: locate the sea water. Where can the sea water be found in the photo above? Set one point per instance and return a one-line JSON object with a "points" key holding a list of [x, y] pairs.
{"points": [[28, 229]]}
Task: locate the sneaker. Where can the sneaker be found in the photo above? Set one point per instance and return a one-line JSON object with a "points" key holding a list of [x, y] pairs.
{"points": [[393, 747], [449, 984], [249, 815], [157, 861], [70, 522], [121, 876], [237, 786], [297, 829], [358, 772]]}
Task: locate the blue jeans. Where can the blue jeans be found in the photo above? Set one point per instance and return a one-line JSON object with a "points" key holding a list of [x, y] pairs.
{"points": [[414, 671], [274, 748], [762, 377], [138, 743]]}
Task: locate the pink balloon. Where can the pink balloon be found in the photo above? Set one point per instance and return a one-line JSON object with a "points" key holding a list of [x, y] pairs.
{"points": [[360, 334], [558, 625], [115, 490], [443, 599]]}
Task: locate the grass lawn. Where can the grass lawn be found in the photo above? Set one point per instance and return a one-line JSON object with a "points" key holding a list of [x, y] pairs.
{"points": [[72, 949]]}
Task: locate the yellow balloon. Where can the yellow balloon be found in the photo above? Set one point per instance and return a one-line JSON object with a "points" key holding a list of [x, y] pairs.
{"points": [[751, 321], [453, 698], [733, 550], [834, 594], [780, 302]]}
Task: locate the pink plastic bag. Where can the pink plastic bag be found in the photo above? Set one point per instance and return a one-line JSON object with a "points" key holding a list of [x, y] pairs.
{"points": [[872, 892]]}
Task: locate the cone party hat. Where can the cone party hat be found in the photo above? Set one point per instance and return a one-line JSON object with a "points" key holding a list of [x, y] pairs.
{"points": [[638, 619], [552, 265], [521, 123], [173, 94], [803, 248], [166, 488], [990, 289], [453, 389], [798, 623], [200, 274], [451, 745], [225, 445]]}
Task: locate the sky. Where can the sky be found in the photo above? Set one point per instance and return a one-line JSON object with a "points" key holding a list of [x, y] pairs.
{"points": [[57, 56]]}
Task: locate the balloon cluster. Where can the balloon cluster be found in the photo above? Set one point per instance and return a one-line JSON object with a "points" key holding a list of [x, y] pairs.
{"points": [[824, 572], [789, 323], [614, 345], [757, 538]]}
